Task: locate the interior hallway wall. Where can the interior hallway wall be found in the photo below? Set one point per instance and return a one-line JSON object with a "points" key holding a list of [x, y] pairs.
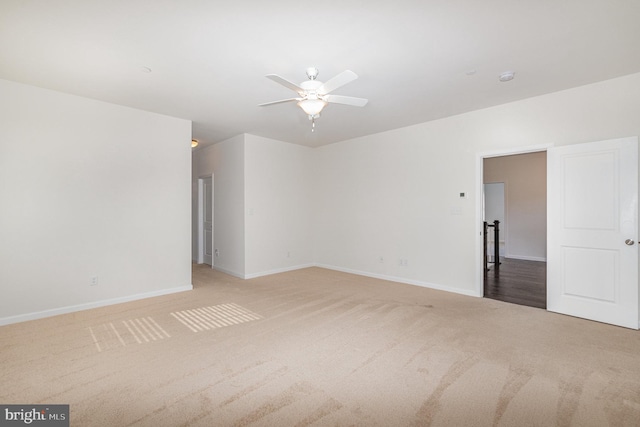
{"points": [[262, 204], [278, 195], [225, 161]]}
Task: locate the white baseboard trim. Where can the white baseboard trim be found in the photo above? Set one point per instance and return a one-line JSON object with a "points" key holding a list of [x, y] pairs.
{"points": [[527, 258], [229, 272], [86, 306], [278, 270], [471, 292]]}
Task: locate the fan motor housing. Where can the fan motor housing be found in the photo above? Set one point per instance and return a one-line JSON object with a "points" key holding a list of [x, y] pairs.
{"points": [[311, 85]]}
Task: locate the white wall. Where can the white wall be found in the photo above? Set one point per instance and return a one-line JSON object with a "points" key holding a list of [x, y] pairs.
{"points": [[89, 189], [278, 194], [525, 179], [392, 198], [395, 194], [262, 208], [225, 161]]}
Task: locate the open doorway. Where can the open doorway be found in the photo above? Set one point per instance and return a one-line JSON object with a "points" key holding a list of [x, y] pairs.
{"points": [[494, 218], [514, 192], [205, 221]]}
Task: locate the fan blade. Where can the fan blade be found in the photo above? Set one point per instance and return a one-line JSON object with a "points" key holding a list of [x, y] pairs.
{"points": [[346, 100], [278, 102], [334, 83], [286, 83]]}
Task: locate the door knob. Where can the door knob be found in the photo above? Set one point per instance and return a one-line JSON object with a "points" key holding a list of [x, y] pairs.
{"points": [[629, 242]]}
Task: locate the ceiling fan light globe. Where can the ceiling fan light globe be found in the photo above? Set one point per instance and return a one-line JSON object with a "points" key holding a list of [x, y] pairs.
{"points": [[312, 106]]}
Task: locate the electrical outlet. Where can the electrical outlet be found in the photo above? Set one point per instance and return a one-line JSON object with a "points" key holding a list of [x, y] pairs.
{"points": [[94, 280], [216, 253], [403, 262], [288, 254], [380, 260]]}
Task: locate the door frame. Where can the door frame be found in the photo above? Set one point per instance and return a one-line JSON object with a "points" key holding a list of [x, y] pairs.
{"points": [[479, 291], [201, 245]]}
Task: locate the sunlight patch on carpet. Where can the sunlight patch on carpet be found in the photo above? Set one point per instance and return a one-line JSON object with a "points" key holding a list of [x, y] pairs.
{"points": [[145, 330], [215, 316], [112, 335]]}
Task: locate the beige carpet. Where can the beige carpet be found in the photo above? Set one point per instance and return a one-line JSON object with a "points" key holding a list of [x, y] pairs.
{"points": [[318, 347]]}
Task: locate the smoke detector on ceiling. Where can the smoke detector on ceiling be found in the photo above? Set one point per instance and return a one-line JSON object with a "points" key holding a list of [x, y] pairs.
{"points": [[507, 76]]}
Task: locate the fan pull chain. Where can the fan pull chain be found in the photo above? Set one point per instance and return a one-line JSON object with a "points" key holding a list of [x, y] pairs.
{"points": [[313, 124]]}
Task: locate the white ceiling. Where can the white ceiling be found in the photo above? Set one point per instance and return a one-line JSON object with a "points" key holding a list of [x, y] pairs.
{"points": [[208, 58]]}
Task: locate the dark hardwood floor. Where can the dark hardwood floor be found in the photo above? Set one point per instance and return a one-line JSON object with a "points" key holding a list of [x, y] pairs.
{"points": [[517, 281]]}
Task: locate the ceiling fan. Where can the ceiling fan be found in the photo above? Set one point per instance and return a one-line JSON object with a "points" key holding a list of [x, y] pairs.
{"points": [[315, 95]]}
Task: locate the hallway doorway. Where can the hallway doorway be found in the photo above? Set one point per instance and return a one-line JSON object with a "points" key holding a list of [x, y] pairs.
{"points": [[205, 221], [519, 274]]}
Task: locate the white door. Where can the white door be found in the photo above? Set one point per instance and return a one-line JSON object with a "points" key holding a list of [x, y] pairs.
{"points": [[207, 216], [592, 252]]}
